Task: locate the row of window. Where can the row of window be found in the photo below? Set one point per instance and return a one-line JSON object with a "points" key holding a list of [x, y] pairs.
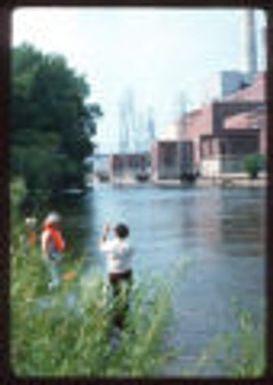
{"points": [[229, 146]]}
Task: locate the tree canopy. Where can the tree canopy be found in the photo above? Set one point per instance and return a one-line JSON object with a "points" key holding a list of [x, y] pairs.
{"points": [[52, 124]]}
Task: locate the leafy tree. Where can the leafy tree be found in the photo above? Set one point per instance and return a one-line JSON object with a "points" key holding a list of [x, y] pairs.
{"points": [[254, 163], [52, 125]]}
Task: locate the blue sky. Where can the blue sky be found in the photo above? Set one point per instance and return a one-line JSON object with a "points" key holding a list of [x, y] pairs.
{"points": [[158, 53]]}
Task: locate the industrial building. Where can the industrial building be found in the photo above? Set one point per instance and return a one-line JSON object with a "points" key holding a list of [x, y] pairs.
{"points": [[171, 159], [237, 129], [214, 139], [129, 167]]}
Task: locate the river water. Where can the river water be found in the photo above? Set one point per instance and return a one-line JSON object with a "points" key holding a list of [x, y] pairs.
{"points": [[217, 234]]}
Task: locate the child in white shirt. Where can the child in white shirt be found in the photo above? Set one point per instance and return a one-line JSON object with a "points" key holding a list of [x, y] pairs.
{"points": [[119, 263]]}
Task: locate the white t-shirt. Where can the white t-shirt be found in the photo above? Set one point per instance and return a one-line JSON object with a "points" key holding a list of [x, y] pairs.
{"points": [[119, 255]]}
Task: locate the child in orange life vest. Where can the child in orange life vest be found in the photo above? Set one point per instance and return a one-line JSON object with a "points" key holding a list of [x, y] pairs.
{"points": [[53, 245]]}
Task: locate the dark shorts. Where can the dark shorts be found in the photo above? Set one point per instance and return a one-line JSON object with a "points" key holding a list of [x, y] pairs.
{"points": [[117, 277], [116, 280]]}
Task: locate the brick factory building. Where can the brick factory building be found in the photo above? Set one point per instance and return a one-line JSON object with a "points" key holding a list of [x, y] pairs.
{"points": [[171, 159], [128, 167], [219, 136]]}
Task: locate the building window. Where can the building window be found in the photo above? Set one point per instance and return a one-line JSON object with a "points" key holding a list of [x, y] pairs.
{"points": [[169, 155], [223, 148]]}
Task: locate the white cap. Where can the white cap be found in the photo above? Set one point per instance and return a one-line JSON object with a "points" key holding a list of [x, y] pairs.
{"points": [[52, 218]]}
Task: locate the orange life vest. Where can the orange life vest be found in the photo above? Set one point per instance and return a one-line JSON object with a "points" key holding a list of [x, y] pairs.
{"points": [[55, 237]]}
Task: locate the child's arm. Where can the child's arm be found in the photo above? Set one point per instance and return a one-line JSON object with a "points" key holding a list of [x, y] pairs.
{"points": [[104, 238], [105, 232], [44, 242]]}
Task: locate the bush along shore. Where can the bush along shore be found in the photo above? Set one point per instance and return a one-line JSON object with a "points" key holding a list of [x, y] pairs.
{"points": [[68, 332]]}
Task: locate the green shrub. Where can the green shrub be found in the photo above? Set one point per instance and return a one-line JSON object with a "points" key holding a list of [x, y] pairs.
{"points": [[253, 164]]}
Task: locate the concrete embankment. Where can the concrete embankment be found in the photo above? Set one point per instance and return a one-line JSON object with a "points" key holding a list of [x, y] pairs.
{"points": [[222, 182], [232, 181], [227, 180]]}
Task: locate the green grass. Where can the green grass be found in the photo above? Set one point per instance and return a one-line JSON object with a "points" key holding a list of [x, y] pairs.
{"points": [[59, 341], [62, 341], [240, 353]]}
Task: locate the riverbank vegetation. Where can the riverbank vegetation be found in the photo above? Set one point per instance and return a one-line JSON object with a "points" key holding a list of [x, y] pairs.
{"points": [[50, 336], [68, 332], [52, 124], [54, 336], [240, 353]]}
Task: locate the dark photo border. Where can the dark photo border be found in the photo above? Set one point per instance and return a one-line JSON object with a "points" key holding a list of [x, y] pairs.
{"points": [[6, 10]]}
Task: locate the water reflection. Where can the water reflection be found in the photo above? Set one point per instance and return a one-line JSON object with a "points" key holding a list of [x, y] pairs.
{"points": [[168, 224], [218, 221]]}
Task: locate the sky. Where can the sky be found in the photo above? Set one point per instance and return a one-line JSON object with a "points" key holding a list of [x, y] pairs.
{"points": [[162, 55]]}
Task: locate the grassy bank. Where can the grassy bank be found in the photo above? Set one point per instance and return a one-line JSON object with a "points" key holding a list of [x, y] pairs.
{"points": [[76, 341], [62, 340], [52, 337]]}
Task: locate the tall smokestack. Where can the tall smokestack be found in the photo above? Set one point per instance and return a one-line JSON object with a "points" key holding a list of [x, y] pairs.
{"points": [[250, 43]]}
